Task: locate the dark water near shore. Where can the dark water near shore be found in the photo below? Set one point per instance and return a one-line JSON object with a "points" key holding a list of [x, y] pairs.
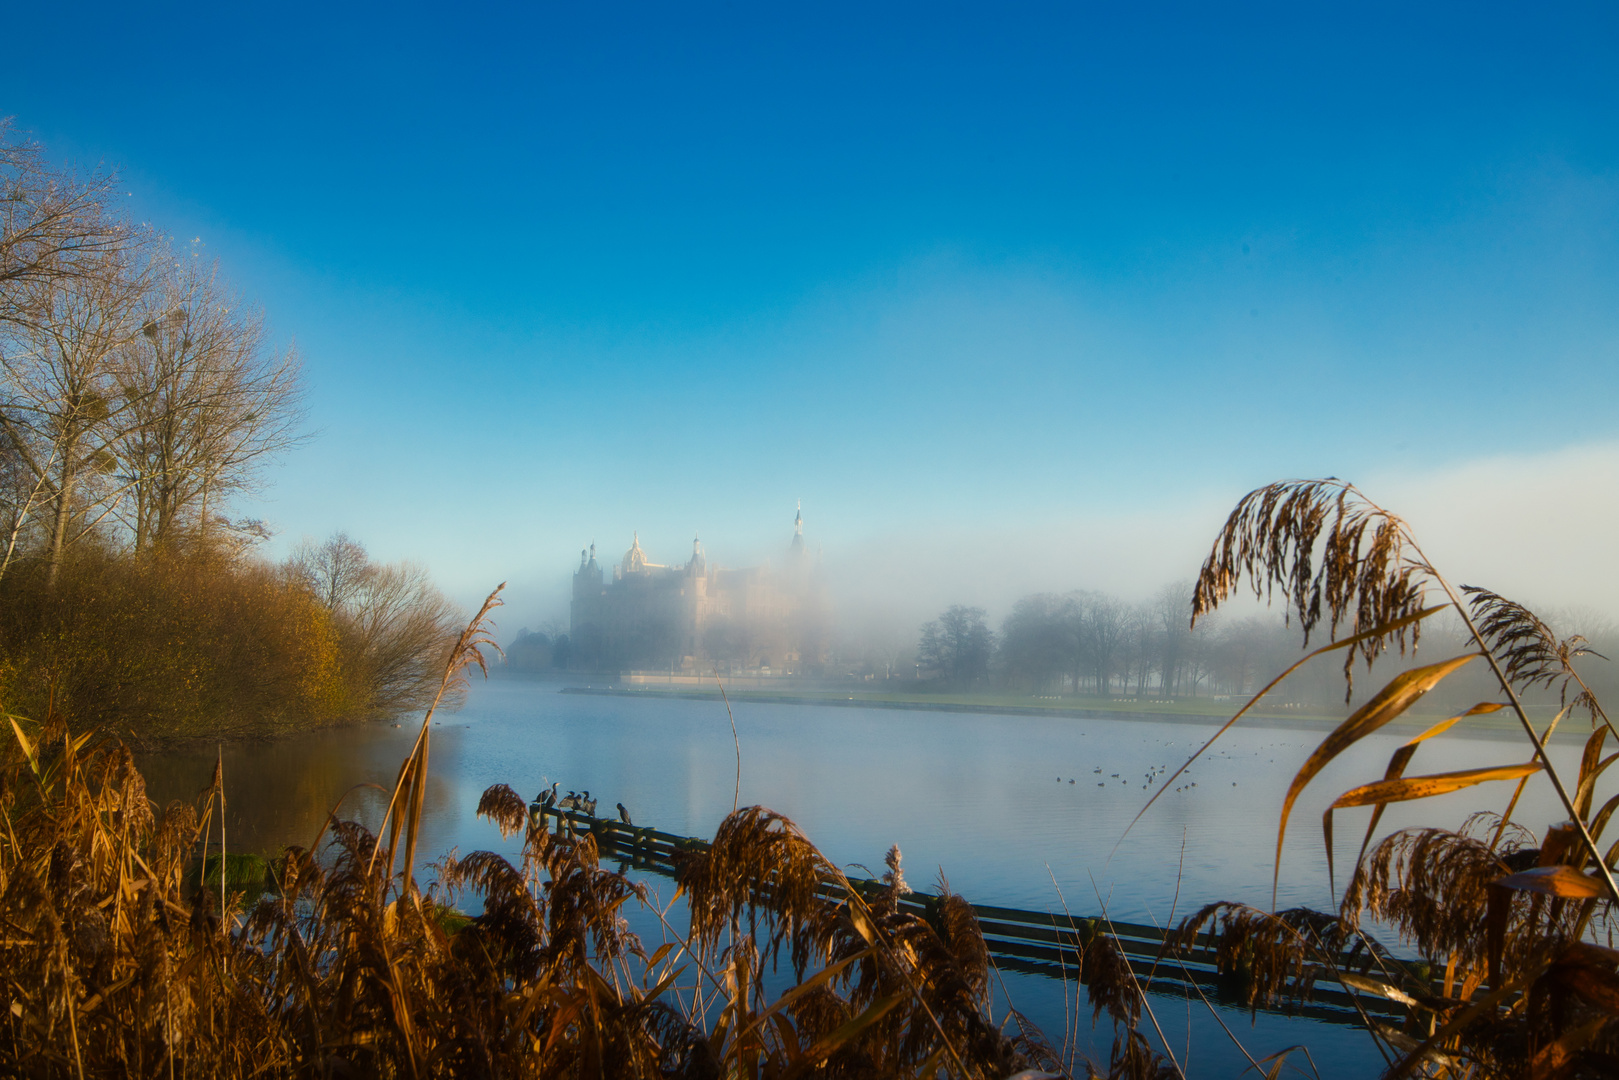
{"points": [[986, 800]]}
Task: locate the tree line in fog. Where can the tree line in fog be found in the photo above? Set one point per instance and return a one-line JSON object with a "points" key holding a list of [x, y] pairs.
{"points": [[1092, 644]]}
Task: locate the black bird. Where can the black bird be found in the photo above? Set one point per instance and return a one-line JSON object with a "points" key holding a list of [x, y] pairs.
{"points": [[624, 815]]}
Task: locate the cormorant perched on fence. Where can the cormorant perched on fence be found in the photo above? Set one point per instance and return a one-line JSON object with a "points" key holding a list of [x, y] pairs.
{"points": [[624, 815], [587, 804], [542, 804], [570, 801]]}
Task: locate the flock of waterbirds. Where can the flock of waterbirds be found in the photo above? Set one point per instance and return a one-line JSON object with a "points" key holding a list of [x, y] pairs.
{"points": [[1147, 780], [577, 801], [549, 799]]}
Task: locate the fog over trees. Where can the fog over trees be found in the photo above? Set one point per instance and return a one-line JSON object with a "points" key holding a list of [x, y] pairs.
{"points": [[957, 647], [1090, 644]]}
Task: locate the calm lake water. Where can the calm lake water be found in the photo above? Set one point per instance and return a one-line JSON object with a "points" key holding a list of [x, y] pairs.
{"points": [[1014, 810]]}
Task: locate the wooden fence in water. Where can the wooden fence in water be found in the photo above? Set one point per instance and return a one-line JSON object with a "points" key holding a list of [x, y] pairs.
{"points": [[1035, 942]]}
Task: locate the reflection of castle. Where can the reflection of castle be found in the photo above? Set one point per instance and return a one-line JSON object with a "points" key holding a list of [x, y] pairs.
{"points": [[698, 618]]}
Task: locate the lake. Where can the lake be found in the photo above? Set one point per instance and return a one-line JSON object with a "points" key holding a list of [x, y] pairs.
{"points": [[1021, 811]]}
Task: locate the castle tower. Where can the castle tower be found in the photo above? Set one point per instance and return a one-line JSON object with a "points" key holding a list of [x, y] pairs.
{"points": [[795, 550]]}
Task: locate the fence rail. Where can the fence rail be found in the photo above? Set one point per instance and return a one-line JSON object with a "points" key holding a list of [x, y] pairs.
{"points": [[1035, 942]]}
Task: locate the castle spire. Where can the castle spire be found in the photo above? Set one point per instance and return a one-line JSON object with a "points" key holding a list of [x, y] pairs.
{"points": [[795, 550]]}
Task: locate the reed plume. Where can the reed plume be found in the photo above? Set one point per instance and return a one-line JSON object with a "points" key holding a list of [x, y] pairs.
{"points": [[1512, 981]]}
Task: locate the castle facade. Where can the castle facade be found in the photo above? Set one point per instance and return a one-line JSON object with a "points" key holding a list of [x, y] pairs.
{"points": [[698, 618]]}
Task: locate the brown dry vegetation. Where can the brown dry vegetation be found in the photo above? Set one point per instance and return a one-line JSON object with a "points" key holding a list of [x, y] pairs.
{"points": [[116, 963], [186, 641], [1518, 974], [109, 967]]}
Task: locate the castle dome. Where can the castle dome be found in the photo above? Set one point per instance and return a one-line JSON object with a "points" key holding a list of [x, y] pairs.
{"points": [[635, 558]]}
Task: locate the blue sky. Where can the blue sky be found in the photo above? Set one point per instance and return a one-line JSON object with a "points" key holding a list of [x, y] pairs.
{"points": [[1044, 287]]}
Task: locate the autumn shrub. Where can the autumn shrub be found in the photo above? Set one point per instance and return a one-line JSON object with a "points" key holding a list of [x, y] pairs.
{"points": [[172, 644]]}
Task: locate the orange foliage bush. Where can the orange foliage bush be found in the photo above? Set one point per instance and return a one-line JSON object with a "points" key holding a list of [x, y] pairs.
{"points": [[173, 644]]}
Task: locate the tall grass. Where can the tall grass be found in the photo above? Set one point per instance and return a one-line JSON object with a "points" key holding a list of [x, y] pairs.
{"points": [[117, 960], [1519, 974], [109, 966]]}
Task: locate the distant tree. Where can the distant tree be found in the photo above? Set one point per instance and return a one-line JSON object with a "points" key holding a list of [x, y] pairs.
{"points": [[1174, 635], [1104, 632], [1037, 642], [958, 645], [1141, 647], [725, 640], [333, 570], [530, 650], [395, 626]]}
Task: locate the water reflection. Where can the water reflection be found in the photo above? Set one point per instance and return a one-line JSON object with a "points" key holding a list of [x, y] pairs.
{"points": [[1019, 811], [279, 792]]}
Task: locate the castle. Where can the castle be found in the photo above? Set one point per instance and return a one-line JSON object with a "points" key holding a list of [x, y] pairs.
{"points": [[697, 618]]}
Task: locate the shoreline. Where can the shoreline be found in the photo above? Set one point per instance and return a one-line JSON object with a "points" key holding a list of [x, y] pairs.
{"points": [[1482, 726]]}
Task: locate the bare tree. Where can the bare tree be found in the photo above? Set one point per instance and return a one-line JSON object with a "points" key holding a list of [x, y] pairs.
{"points": [[53, 224], [397, 626], [1169, 610], [404, 629], [70, 277], [333, 571], [62, 406], [1104, 637], [212, 402], [1038, 642], [958, 645]]}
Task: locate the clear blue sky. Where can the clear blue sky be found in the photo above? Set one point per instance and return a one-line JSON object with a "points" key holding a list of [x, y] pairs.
{"points": [[996, 274]]}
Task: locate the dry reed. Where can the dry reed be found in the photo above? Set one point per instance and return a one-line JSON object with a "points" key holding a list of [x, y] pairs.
{"points": [[1513, 979], [115, 960]]}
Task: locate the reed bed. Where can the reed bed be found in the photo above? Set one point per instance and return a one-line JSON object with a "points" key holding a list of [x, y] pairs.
{"points": [[126, 955]]}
